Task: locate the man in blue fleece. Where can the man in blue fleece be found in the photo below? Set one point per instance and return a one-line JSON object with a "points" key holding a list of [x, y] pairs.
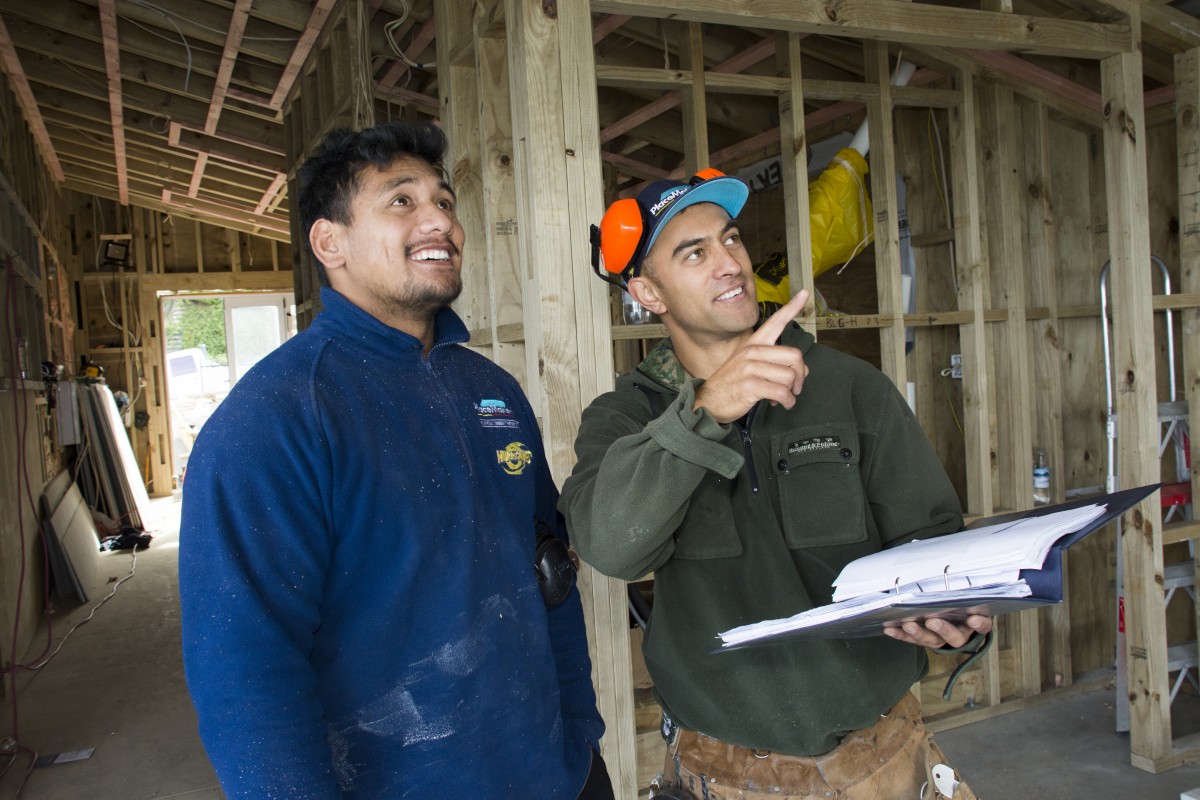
{"points": [[362, 617]]}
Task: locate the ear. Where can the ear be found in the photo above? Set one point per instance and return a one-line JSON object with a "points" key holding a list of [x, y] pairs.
{"points": [[325, 239], [646, 292]]}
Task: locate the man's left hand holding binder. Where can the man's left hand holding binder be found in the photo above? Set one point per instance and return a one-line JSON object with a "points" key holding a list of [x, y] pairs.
{"points": [[937, 633]]}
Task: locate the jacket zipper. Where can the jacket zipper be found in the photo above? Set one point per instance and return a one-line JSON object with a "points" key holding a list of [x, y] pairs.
{"points": [[444, 396], [744, 429]]}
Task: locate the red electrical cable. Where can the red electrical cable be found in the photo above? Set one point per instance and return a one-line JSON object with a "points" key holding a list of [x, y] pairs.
{"points": [[21, 424]]}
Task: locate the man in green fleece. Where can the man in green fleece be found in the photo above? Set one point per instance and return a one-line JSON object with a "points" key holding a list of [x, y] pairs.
{"points": [[745, 468]]}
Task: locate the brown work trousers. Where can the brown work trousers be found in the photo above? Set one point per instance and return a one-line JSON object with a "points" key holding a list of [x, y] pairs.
{"points": [[892, 760]]}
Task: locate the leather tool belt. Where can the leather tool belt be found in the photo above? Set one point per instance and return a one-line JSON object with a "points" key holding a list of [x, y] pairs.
{"points": [[895, 758]]}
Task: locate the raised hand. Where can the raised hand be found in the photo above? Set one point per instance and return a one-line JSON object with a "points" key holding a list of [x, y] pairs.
{"points": [[759, 370]]}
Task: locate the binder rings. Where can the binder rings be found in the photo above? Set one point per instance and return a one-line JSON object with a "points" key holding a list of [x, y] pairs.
{"points": [[949, 591]]}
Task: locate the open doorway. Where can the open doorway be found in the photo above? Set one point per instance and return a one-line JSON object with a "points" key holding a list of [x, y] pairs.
{"points": [[211, 341]]}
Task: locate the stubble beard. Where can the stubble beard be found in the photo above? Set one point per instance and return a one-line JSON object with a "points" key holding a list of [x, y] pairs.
{"points": [[418, 301]]}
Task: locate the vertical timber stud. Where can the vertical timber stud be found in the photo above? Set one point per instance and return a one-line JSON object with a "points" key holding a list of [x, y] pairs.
{"points": [[1041, 244], [793, 154], [887, 226], [695, 105], [1137, 416], [154, 374], [971, 269], [459, 102], [1001, 174], [1187, 137], [499, 197], [968, 249], [568, 335], [333, 91]]}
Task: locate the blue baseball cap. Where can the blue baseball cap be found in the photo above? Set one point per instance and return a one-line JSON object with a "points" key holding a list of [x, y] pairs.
{"points": [[656, 205]]}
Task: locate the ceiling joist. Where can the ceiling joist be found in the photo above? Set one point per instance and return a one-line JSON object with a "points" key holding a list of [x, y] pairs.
{"points": [[901, 23]]}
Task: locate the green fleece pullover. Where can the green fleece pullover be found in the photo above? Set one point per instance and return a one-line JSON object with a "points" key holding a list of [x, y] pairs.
{"points": [[752, 521]]}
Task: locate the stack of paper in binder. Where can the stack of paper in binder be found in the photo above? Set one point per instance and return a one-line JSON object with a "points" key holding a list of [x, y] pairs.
{"points": [[999, 565]]}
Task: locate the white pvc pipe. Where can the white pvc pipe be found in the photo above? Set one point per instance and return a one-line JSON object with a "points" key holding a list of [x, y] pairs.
{"points": [[862, 137]]}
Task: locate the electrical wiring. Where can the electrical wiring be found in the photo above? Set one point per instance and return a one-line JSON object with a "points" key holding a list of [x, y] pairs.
{"points": [[168, 14], [21, 423], [130, 338], [127, 102], [389, 33], [46, 660], [943, 189], [862, 209], [950, 402], [33, 757], [187, 76], [363, 93], [13, 746]]}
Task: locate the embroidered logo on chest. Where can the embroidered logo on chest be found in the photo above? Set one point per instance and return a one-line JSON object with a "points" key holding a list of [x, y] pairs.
{"points": [[514, 458], [813, 444], [495, 414]]}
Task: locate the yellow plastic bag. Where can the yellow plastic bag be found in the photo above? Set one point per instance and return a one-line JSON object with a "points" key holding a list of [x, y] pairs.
{"points": [[840, 219], [839, 211], [771, 282]]}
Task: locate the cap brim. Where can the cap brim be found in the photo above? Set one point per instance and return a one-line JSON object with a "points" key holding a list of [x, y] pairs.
{"points": [[727, 192]]}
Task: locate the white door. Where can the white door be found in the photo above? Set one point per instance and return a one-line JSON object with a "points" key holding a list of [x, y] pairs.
{"points": [[255, 325]]}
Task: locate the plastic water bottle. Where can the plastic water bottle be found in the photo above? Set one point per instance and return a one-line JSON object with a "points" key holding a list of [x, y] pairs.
{"points": [[633, 312], [1041, 479]]}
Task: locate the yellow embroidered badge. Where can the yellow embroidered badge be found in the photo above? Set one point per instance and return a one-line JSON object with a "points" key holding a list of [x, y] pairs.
{"points": [[514, 458]]}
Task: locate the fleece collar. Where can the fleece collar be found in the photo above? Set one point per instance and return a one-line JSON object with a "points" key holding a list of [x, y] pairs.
{"points": [[352, 321], [663, 366]]}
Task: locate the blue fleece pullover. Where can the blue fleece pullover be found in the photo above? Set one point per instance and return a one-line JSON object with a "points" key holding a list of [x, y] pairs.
{"points": [[361, 617]]}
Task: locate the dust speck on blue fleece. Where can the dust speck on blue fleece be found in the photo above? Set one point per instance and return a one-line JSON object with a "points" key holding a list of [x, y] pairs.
{"points": [[360, 613]]}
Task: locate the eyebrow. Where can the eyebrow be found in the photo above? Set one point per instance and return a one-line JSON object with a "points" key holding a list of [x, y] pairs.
{"points": [[403, 180], [684, 245]]}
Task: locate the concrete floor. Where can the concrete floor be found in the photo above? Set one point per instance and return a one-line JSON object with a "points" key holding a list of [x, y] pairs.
{"points": [[117, 686]]}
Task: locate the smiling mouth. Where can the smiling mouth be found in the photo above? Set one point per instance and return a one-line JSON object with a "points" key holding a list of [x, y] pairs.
{"points": [[731, 294], [431, 255]]}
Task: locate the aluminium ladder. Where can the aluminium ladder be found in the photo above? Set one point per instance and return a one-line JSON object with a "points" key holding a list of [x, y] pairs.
{"points": [[1176, 501]]}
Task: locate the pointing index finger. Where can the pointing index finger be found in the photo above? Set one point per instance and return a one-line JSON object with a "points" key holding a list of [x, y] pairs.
{"points": [[770, 330]]}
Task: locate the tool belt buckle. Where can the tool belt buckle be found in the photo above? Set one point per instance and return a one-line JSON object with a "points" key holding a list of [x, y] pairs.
{"points": [[668, 729]]}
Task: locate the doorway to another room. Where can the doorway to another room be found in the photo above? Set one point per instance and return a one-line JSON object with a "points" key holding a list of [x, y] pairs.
{"points": [[211, 341]]}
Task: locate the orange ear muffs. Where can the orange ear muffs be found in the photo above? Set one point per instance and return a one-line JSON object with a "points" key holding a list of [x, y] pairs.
{"points": [[616, 240], [620, 234]]}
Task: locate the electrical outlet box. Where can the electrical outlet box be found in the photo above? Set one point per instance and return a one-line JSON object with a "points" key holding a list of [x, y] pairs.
{"points": [[956, 366]]}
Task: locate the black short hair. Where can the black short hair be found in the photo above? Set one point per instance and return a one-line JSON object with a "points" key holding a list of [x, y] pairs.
{"points": [[328, 179]]}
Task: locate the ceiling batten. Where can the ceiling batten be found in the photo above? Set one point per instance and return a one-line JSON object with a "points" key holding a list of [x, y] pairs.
{"points": [[271, 194], [33, 114], [221, 210], [197, 174], [308, 38], [116, 107], [764, 48], [607, 25], [233, 42]]}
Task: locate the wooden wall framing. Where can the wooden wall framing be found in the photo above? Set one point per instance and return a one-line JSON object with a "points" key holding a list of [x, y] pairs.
{"points": [[334, 90], [518, 85]]}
